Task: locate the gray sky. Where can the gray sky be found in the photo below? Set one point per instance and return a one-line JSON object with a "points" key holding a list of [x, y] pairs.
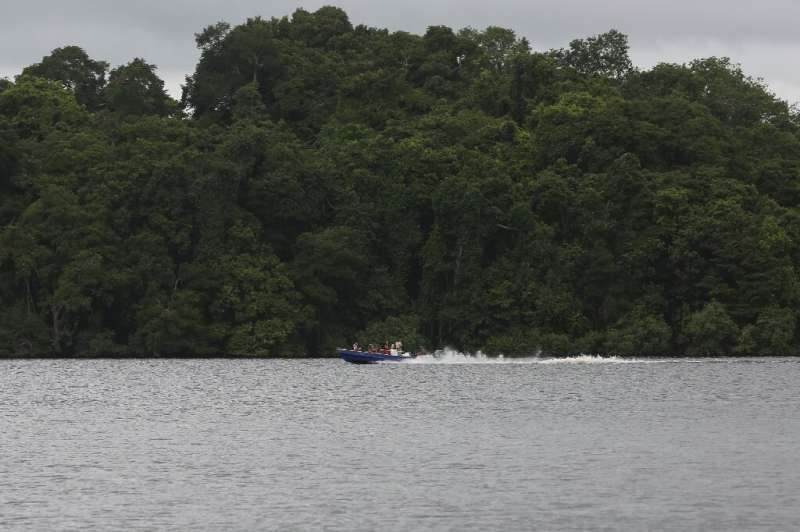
{"points": [[762, 36]]}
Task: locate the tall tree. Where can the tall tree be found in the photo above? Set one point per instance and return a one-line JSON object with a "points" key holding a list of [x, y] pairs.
{"points": [[602, 55], [71, 66], [135, 89]]}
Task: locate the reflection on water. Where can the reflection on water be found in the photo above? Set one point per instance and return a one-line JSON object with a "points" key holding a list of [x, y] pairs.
{"points": [[438, 445]]}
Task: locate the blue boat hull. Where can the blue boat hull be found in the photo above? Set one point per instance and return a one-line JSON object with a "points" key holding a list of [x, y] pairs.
{"points": [[363, 357]]}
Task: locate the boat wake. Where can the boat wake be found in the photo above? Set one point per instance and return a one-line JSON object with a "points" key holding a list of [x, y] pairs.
{"points": [[451, 356]]}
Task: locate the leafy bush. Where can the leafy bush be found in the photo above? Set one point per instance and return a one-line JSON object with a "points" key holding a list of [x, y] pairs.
{"points": [[710, 331], [640, 333]]}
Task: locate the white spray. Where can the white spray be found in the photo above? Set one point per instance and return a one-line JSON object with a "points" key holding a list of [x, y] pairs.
{"points": [[452, 356]]}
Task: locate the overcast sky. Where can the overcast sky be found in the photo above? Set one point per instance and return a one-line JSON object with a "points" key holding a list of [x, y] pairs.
{"points": [[762, 36]]}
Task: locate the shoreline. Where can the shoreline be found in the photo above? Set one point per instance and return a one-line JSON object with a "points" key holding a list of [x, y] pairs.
{"points": [[320, 357]]}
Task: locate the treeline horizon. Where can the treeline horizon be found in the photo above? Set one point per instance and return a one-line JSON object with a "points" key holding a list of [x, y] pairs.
{"points": [[321, 183]]}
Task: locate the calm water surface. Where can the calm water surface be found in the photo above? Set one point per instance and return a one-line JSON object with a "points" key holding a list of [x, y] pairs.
{"points": [[320, 444]]}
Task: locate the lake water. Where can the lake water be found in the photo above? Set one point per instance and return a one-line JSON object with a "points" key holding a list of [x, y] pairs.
{"points": [[455, 444]]}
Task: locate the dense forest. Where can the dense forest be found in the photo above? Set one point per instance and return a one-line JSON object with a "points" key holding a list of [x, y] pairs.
{"points": [[320, 183]]}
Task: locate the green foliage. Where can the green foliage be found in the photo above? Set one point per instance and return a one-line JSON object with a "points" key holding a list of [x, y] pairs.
{"points": [[639, 333], [603, 55], [774, 331], [330, 183], [33, 107], [517, 343], [134, 89], [405, 328], [76, 71], [258, 301], [710, 331], [500, 46], [22, 333], [171, 326]]}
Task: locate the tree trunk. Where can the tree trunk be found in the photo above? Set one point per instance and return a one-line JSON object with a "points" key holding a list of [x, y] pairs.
{"points": [[29, 298], [55, 312]]}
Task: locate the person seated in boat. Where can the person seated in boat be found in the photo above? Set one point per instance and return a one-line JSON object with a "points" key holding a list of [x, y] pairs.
{"points": [[356, 347]]}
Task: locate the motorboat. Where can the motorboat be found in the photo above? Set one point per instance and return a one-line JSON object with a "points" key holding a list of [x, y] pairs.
{"points": [[374, 357]]}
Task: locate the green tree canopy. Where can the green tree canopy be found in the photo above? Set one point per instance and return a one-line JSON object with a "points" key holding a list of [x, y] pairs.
{"points": [[324, 182], [602, 55], [71, 66], [135, 89]]}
